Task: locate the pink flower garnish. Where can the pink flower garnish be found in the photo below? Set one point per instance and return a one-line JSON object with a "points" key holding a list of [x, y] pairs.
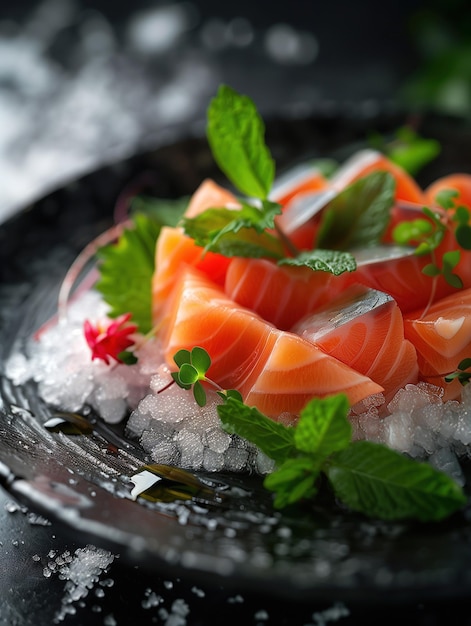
{"points": [[111, 340]]}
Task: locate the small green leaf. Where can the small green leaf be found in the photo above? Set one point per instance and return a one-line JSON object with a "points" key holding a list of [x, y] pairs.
{"points": [[445, 198], [127, 357], [323, 426], [236, 135], [201, 360], [463, 236], [406, 233], [273, 438], [163, 210], [294, 480], [359, 215], [380, 482], [431, 270], [234, 232], [334, 261], [176, 378], [182, 356], [199, 393], [464, 364], [188, 374]]}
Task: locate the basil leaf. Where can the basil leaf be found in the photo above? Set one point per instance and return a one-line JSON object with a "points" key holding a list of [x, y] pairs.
{"points": [[380, 482], [236, 135]]}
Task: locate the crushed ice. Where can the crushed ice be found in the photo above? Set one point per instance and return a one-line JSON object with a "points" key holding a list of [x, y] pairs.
{"points": [[173, 429]]}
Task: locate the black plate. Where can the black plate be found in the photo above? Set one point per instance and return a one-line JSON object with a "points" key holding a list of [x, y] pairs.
{"points": [[315, 553]]}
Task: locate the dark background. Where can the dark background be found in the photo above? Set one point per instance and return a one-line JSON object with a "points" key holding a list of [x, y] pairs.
{"points": [[77, 90]]}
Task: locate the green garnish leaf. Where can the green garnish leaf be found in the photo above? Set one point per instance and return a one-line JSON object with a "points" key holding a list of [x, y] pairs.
{"points": [[126, 270], [236, 135], [375, 480], [323, 427], [238, 232], [127, 357], [446, 198], [359, 215], [273, 438], [411, 151], [294, 480], [163, 210], [334, 261], [192, 370]]}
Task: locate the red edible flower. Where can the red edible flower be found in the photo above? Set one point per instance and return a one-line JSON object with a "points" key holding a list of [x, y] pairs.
{"points": [[109, 341]]}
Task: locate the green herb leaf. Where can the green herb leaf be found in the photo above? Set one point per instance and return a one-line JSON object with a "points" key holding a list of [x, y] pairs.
{"points": [[294, 480], [446, 198], [380, 482], [333, 261], [236, 135], [323, 426], [273, 438], [162, 210], [411, 151], [126, 270], [359, 215], [239, 232]]}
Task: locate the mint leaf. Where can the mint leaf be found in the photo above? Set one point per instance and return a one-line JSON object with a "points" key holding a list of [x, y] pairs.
{"points": [[236, 135], [294, 480], [375, 480], [239, 232], [334, 261], [273, 438], [359, 215], [323, 426], [126, 270]]}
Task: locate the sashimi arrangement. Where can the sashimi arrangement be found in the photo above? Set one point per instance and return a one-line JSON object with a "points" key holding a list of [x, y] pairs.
{"points": [[289, 306]]}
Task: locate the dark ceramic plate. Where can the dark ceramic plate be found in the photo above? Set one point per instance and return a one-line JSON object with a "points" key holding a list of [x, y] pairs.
{"points": [[315, 553]]}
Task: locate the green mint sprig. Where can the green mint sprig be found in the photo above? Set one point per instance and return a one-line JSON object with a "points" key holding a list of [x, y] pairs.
{"points": [[367, 477]]}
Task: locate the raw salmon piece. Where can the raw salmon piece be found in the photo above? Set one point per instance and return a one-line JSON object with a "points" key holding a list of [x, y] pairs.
{"points": [[442, 339], [174, 248], [298, 180], [364, 328], [458, 181], [274, 370], [210, 195], [281, 295]]}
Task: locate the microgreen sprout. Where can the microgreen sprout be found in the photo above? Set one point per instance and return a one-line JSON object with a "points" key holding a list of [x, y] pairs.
{"points": [[192, 371], [461, 374]]}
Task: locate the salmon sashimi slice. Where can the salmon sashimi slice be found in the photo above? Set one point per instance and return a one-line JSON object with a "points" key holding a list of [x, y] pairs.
{"points": [[442, 339], [210, 195], [274, 370], [364, 328], [302, 179], [174, 248], [282, 295]]}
